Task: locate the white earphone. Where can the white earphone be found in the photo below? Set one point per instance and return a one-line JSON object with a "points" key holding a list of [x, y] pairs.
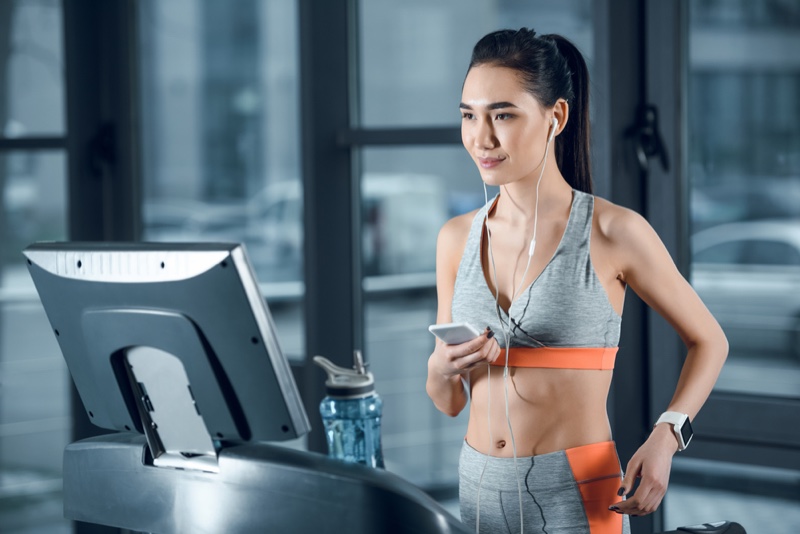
{"points": [[553, 129]]}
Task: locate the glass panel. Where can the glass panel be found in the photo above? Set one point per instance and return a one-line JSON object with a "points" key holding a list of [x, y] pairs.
{"points": [[744, 163], [31, 68], [414, 54], [220, 118], [420, 443], [407, 194], [34, 394]]}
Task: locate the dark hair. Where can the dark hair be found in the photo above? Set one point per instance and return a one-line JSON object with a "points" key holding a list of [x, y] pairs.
{"points": [[550, 67]]}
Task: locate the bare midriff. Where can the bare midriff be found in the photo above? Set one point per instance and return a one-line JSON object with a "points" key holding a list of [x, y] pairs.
{"points": [[549, 409]]}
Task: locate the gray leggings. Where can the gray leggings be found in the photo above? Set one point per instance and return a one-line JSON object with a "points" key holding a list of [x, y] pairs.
{"points": [[562, 492]]}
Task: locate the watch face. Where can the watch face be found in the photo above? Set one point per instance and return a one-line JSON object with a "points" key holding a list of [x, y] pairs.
{"points": [[686, 432]]}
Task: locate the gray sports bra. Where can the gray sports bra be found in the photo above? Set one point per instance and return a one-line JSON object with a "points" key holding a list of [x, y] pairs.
{"points": [[563, 319]]}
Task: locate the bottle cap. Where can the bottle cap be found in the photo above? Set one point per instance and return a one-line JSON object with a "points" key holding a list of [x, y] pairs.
{"points": [[347, 383]]}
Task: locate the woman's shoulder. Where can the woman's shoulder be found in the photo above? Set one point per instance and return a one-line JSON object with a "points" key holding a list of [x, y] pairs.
{"points": [[627, 236], [454, 232], [453, 237], [616, 223]]}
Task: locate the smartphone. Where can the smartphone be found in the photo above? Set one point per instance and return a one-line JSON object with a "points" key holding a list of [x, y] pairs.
{"points": [[454, 333]]}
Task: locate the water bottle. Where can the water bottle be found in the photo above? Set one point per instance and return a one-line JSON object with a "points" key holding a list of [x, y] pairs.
{"points": [[351, 412]]}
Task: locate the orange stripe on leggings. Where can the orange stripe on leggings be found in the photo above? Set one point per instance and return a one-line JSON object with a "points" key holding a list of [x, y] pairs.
{"points": [[597, 471], [601, 358]]}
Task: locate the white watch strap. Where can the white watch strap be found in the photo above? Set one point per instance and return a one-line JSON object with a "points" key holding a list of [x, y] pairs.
{"points": [[674, 418]]}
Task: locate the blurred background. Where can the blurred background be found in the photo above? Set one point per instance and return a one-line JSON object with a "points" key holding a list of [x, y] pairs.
{"points": [[325, 136]]}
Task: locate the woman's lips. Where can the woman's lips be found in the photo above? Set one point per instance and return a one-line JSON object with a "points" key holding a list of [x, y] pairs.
{"points": [[488, 163]]}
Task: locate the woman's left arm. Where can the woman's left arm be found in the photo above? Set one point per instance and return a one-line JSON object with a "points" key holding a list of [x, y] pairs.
{"points": [[646, 266]]}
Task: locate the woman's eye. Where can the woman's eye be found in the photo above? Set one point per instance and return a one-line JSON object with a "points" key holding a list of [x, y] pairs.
{"points": [[503, 116], [466, 115]]}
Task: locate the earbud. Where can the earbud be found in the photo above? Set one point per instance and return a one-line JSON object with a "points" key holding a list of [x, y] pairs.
{"points": [[553, 129]]}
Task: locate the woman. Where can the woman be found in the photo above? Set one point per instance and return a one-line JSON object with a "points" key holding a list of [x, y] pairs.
{"points": [[544, 267]]}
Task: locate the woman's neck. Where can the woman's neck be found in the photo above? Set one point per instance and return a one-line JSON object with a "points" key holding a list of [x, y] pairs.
{"points": [[517, 203]]}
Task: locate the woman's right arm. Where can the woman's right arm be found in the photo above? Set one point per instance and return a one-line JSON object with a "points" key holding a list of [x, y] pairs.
{"points": [[449, 363]]}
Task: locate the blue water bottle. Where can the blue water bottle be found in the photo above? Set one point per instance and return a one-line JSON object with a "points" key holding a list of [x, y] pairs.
{"points": [[351, 412]]}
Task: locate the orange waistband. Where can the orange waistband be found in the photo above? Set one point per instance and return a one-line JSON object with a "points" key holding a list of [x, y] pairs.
{"points": [[559, 357]]}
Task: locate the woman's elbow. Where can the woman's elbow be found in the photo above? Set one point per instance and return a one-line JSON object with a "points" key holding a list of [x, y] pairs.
{"points": [[720, 343], [451, 410], [449, 407], [714, 343]]}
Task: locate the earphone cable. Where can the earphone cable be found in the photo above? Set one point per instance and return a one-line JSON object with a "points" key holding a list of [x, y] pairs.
{"points": [[507, 336], [507, 339], [528, 489], [488, 379]]}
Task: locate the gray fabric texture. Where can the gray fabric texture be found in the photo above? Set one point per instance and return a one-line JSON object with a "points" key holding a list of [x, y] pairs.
{"points": [[566, 306], [551, 500]]}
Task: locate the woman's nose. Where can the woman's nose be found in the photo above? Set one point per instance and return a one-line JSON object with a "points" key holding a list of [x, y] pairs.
{"points": [[484, 135]]}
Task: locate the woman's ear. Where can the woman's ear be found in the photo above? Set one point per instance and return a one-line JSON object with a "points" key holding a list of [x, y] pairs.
{"points": [[561, 114]]}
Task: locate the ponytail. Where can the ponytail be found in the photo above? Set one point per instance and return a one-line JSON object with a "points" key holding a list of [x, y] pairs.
{"points": [[573, 145]]}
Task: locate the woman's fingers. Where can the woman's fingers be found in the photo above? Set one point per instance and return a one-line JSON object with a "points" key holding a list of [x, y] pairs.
{"points": [[650, 492], [482, 349], [456, 359], [495, 352]]}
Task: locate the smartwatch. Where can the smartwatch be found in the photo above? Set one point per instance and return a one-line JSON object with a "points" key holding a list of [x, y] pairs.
{"points": [[680, 425]]}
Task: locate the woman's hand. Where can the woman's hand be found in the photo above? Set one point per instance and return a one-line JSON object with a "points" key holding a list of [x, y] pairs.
{"points": [[449, 363], [451, 360], [652, 464]]}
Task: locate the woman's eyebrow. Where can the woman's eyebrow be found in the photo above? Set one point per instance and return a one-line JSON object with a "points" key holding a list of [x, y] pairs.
{"points": [[492, 106]]}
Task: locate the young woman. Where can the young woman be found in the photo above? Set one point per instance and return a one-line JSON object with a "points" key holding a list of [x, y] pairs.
{"points": [[544, 267]]}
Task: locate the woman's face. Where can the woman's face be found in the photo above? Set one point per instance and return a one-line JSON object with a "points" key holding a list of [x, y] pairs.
{"points": [[503, 127]]}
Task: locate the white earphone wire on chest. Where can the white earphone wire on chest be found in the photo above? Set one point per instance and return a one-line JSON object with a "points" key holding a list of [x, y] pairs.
{"points": [[507, 330]]}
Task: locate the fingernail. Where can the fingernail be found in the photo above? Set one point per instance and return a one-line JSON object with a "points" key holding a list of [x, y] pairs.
{"points": [[490, 335], [621, 492], [613, 508]]}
